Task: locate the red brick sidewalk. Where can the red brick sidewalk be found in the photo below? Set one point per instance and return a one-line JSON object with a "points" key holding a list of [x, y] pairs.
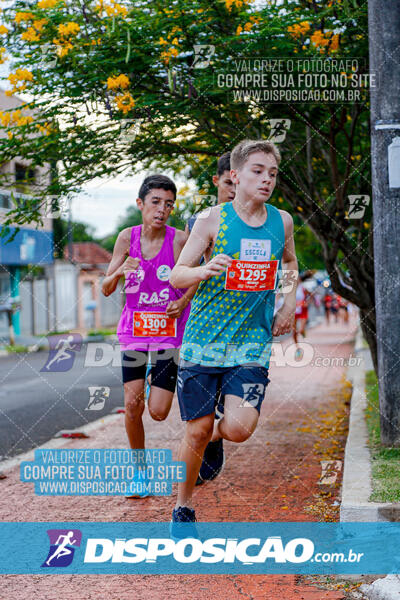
{"points": [[271, 477]]}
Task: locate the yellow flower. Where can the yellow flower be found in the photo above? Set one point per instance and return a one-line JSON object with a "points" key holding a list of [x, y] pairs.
{"points": [[366, 225], [163, 42], [39, 24], [175, 42], [5, 119], [165, 57], [23, 16], [2, 58], [70, 28], [239, 30], [20, 75], [47, 3], [45, 130], [122, 81], [116, 9], [125, 102], [30, 35], [238, 3], [318, 39], [3, 30], [63, 49], [24, 120], [334, 45], [248, 26], [9, 133], [299, 29]]}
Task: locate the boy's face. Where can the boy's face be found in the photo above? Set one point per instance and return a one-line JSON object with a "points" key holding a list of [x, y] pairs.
{"points": [[256, 179], [156, 207], [226, 187]]}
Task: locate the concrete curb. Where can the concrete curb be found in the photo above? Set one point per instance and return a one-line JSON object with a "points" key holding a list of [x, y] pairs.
{"points": [[387, 588], [44, 345], [357, 477]]}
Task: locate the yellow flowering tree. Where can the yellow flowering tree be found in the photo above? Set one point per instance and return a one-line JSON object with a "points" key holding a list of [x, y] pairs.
{"points": [[124, 85]]}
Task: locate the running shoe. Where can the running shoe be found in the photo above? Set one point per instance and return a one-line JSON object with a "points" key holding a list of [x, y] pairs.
{"points": [[182, 524], [213, 461]]}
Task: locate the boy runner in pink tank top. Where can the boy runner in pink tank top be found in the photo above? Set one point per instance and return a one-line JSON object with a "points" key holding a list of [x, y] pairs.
{"points": [[155, 313]]}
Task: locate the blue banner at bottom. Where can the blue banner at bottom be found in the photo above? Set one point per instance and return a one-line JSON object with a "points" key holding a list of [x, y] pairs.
{"points": [[209, 548]]}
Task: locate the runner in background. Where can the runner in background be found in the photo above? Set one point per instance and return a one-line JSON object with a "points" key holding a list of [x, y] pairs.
{"points": [[343, 309], [224, 184], [303, 299], [335, 307], [327, 305]]}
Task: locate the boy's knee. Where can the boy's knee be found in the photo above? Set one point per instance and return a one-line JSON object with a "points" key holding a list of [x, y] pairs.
{"points": [[134, 407], [158, 415], [238, 433], [199, 436]]}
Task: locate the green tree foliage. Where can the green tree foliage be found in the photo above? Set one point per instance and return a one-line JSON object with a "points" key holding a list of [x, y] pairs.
{"points": [[136, 60]]}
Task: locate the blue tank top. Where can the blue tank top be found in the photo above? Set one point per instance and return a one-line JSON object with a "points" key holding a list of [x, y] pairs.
{"points": [[230, 328]]}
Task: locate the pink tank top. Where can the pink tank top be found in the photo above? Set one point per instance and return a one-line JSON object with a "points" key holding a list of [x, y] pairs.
{"points": [[148, 290]]}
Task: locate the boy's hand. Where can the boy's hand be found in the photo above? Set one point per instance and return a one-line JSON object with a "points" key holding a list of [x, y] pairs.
{"points": [[175, 308], [283, 321], [130, 264], [216, 266]]}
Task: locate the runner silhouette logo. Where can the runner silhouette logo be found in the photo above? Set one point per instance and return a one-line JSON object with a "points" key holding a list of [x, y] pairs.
{"points": [[253, 393], [63, 543], [62, 352]]}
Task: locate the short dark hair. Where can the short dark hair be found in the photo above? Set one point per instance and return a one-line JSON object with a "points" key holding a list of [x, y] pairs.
{"points": [[224, 163], [156, 182]]}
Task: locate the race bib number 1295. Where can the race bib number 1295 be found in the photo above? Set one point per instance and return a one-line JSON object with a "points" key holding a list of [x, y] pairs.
{"points": [[249, 276]]}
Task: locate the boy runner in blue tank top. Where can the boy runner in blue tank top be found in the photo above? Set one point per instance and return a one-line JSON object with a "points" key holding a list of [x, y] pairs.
{"points": [[227, 340]]}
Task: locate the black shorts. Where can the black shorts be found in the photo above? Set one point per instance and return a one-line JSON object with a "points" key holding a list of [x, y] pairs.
{"points": [[164, 366]]}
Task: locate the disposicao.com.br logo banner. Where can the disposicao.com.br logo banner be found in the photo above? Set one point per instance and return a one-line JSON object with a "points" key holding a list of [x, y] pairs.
{"points": [[224, 548]]}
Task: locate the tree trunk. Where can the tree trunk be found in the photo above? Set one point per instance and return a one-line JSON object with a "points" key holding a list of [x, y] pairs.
{"points": [[368, 327]]}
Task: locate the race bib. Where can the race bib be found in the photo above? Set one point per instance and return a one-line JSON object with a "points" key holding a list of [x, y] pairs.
{"points": [[259, 250], [147, 324], [249, 276]]}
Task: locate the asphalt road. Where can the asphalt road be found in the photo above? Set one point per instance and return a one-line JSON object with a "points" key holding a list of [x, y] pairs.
{"points": [[34, 405]]}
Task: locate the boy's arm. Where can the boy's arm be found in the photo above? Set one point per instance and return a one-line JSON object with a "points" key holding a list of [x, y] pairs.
{"points": [[186, 272], [284, 317], [176, 307], [118, 263]]}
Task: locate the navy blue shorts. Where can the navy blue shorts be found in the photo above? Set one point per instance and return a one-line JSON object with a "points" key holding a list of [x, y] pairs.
{"points": [[199, 387]]}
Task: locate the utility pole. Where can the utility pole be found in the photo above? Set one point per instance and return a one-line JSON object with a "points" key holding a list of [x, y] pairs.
{"points": [[384, 50]]}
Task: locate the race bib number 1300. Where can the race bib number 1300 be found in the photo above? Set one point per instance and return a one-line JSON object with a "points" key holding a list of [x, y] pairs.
{"points": [[147, 324], [249, 276]]}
